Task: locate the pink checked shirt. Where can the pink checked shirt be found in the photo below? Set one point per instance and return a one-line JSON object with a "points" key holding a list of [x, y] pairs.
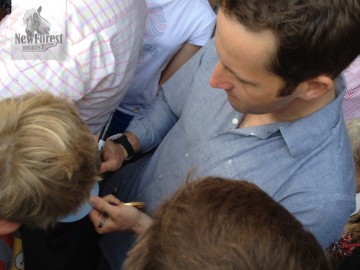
{"points": [[351, 103], [104, 39]]}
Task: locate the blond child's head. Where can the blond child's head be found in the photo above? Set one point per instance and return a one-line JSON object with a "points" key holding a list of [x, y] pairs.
{"points": [[48, 160]]}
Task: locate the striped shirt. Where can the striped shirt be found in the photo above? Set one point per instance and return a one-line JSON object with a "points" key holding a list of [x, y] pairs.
{"points": [[104, 40], [351, 102]]}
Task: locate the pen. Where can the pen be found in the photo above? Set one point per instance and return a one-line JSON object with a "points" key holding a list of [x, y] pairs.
{"points": [[103, 134], [132, 204]]}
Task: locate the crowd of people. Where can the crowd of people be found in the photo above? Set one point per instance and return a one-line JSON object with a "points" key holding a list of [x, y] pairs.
{"points": [[235, 145]]}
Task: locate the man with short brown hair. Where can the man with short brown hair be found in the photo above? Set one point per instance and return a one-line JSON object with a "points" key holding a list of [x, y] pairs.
{"points": [[274, 116]]}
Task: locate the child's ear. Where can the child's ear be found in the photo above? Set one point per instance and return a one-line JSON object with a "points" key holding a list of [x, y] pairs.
{"points": [[316, 87], [7, 227]]}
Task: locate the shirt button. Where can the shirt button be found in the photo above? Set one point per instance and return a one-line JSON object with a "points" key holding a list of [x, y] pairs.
{"points": [[235, 121]]}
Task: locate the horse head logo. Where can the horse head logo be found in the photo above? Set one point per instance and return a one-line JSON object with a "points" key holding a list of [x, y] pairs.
{"points": [[35, 23]]}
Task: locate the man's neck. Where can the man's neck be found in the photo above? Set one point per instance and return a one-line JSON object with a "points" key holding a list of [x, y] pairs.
{"points": [[296, 110]]}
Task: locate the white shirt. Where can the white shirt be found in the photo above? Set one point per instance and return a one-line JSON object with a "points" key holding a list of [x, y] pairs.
{"points": [[169, 24], [104, 39]]}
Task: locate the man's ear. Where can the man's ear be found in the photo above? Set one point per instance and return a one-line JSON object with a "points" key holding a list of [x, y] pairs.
{"points": [[7, 227], [316, 87]]}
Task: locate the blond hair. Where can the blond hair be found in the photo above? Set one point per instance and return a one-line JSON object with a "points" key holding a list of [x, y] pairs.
{"points": [[219, 224], [48, 159], [353, 127]]}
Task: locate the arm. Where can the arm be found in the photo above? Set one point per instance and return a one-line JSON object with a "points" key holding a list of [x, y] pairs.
{"points": [[114, 216], [163, 112], [334, 215], [114, 155], [180, 58], [143, 133], [202, 26], [147, 131], [106, 59]]}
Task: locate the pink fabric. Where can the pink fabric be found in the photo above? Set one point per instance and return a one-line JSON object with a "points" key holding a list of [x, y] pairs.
{"points": [[104, 39], [351, 103]]}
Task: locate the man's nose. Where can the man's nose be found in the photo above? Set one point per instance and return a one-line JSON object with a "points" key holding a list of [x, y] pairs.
{"points": [[219, 78]]}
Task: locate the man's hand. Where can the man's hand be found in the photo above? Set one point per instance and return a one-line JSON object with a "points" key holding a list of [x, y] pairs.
{"points": [[110, 215], [113, 156]]}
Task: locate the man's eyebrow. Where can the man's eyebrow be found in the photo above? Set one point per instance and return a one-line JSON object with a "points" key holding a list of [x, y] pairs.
{"points": [[239, 78]]}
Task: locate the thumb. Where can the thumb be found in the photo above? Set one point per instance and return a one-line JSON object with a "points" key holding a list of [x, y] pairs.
{"points": [[103, 168], [107, 166]]}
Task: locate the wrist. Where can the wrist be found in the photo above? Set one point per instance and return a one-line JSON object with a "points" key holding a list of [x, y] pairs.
{"points": [[142, 223], [134, 141], [121, 149], [124, 143]]}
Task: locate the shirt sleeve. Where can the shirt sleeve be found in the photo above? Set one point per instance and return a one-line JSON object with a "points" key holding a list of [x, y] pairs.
{"points": [[329, 227], [204, 25], [107, 55], [162, 114], [322, 206]]}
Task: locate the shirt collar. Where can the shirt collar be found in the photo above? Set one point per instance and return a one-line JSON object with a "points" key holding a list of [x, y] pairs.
{"points": [[304, 133], [262, 132]]}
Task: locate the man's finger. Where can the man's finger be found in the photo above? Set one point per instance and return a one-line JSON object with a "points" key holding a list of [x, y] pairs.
{"points": [[95, 216], [111, 199], [103, 168], [100, 204], [109, 165]]}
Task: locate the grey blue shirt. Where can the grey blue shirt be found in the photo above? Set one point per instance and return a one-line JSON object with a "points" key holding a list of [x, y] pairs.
{"points": [[305, 165]]}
